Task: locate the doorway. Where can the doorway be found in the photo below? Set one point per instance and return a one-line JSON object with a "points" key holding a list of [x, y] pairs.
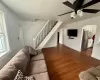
{"points": [[58, 36], [88, 37]]}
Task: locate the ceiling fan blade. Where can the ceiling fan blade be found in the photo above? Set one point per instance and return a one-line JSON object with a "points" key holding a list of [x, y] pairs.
{"points": [[65, 13], [67, 3], [90, 3], [90, 10]]}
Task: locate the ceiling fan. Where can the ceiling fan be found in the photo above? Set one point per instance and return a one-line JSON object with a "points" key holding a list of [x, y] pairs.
{"points": [[79, 8]]}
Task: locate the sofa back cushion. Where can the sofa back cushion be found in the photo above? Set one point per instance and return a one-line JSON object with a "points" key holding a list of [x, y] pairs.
{"points": [[8, 73], [18, 62]]}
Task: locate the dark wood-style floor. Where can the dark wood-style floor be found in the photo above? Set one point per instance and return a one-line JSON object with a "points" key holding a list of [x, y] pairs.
{"points": [[87, 52], [64, 63]]}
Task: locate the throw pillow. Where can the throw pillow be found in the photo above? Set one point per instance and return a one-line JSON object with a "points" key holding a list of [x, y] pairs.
{"points": [[32, 51], [20, 76]]}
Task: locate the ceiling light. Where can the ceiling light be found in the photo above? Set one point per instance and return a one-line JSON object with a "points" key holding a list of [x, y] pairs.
{"points": [[73, 15], [80, 13]]}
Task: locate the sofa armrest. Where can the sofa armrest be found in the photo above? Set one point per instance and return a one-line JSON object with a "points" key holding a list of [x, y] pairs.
{"points": [[98, 67], [85, 75]]}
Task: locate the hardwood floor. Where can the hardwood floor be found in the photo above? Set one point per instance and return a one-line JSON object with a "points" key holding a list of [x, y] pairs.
{"points": [[64, 63], [87, 52]]}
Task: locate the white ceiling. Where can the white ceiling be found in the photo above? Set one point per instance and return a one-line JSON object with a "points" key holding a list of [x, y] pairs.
{"points": [[44, 9]]}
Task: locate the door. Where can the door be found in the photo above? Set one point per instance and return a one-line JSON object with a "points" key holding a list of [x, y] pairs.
{"points": [[58, 38]]}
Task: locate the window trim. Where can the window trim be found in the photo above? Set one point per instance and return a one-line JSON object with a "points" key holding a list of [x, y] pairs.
{"points": [[7, 46], [3, 36]]}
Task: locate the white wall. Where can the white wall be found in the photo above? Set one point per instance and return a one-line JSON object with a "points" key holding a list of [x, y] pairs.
{"points": [[51, 39], [52, 42], [12, 23], [96, 48], [61, 36], [30, 30], [91, 30], [76, 43]]}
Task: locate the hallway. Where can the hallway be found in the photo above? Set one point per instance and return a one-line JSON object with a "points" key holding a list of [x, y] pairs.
{"points": [[64, 63]]}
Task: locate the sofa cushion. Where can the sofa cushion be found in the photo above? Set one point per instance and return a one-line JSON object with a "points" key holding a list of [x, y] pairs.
{"points": [[94, 71], [36, 67], [38, 57], [85, 75], [41, 76]]}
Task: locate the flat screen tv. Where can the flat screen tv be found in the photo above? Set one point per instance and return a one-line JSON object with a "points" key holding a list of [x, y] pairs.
{"points": [[72, 32]]}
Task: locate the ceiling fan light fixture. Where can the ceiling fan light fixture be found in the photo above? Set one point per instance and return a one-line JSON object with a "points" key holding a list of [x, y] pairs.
{"points": [[78, 7], [80, 13], [73, 15]]}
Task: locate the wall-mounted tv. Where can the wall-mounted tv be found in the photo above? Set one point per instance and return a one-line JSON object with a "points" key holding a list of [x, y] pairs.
{"points": [[72, 32]]}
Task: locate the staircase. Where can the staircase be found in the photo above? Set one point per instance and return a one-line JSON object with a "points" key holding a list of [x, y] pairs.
{"points": [[45, 34]]}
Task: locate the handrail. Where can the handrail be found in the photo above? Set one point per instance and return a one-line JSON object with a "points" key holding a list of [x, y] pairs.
{"points": [[41, 30]]}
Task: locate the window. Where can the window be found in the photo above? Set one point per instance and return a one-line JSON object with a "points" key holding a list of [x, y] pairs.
{"points": [[4, 46]]}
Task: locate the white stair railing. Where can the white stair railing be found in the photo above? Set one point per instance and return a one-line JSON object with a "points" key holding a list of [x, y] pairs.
{"points": [[43, 33]]}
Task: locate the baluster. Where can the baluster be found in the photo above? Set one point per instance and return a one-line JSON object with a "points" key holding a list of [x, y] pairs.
{"points": [[34, 43], [40, 37], [46, 30], [43, 33], [52, 24], [49, 27], [37, 42]]}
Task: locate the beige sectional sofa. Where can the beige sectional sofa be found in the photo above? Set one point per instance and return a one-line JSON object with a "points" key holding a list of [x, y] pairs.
{"points": [[90, 74], [28, 63]]}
